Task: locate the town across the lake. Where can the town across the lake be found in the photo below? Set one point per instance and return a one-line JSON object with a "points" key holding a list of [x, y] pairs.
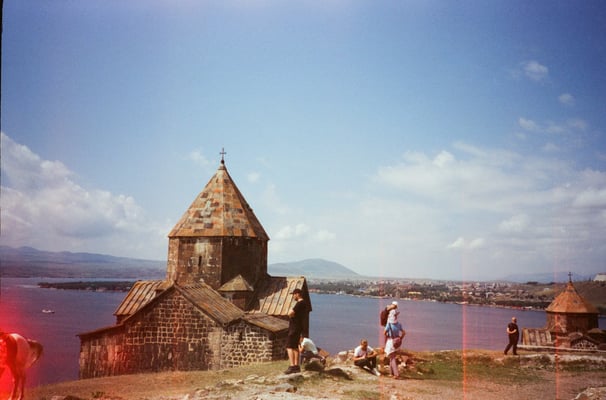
{"points": [[529, 295]]}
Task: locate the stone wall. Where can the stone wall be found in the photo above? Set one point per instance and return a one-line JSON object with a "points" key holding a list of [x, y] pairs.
{"points": [[243, 344], [244, 256], [191, 260], [171, 334], [216, 260], [568, 323]]}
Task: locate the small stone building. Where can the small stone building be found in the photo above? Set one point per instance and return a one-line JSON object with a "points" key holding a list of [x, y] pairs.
{"points": [[217, 308], [572, 322]]}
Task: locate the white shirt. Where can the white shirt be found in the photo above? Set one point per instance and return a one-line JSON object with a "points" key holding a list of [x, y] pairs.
{"points": [[392, 318], [307, 345], [359, 352]]}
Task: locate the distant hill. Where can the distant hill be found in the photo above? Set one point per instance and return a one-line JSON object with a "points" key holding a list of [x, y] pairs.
{"points": [[312, 268], [556, 276], [30, 262]]}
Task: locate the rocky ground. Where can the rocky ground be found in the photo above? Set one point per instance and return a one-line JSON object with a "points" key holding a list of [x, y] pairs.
{"points": [[426, 376]]}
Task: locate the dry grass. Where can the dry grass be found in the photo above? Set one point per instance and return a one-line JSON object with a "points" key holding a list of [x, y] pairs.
{"points": [[143, 386], [439, 375]]}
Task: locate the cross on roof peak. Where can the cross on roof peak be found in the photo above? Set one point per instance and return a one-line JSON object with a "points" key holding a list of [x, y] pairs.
{"points": [[223, 153]]}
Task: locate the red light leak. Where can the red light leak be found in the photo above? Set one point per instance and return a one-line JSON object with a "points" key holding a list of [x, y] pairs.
{"points": [[12, 321]]}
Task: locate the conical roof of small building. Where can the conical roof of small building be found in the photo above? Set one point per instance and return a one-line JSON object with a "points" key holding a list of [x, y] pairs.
{"points": [[571, 302], [237, 284], [219, 210]]}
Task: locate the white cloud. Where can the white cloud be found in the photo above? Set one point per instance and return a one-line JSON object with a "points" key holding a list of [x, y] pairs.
{"points": [[566, 99], [515, 212], [577, 124], [534, 70], [302, 232], [43, 206], [515, 209], [324, 236], [528, 124], [461, 243], [198, 158], [457, 244], [517, 223], [291, 232], [483, 180], [272, 200], [554, 128], [570, 126], [443, 159], [550, 147], [253, 177], [477, 243], [591, 198]]}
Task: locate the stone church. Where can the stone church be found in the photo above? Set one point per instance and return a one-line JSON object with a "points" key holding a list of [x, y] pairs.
{"points": [[217, 308], [572, 323]]}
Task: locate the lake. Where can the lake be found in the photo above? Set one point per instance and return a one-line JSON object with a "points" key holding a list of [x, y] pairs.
{"points": [[337, 323]]}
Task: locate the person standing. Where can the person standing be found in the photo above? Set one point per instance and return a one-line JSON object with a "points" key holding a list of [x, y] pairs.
{"points": [[392, 317], [296, 327], [513, 334], [394, 334], [365, 357], [386, 311]]}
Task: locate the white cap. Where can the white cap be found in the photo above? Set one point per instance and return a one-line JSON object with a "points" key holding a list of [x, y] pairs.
{"points": [[395, 303]]}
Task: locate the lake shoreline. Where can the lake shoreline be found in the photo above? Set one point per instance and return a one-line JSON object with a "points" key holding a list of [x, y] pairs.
{"points": [[104, 285], [337, 322]]}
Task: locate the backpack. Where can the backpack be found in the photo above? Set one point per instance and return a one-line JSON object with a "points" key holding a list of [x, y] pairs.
{"points": [[383, 316]]}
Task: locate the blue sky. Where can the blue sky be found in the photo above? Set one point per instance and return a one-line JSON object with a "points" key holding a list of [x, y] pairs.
{"points": [[425, 139]]}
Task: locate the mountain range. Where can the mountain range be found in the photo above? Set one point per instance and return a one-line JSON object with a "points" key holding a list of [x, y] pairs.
{"points": [[312, 268], [31, 262]]}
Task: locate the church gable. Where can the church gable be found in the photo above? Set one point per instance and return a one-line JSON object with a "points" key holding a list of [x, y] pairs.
{"points": [[141, 293]]}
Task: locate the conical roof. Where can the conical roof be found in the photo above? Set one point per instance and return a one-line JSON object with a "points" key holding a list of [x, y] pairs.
{"points": [[571, 302], [219, 210], [237, 284]]}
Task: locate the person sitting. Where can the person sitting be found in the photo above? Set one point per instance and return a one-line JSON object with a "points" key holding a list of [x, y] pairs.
{"points": [[308, 351], [365, 357]]}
